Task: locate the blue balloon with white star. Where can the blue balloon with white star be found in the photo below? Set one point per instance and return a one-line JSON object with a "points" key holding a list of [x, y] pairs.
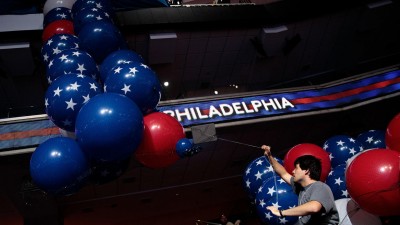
{"points": [[56, 44], [275, 192], [116, 58], [372, 139], [337, 182], [109, 128], [66, 96], [88, 15], [58, 13], [256, 173], [341, 148], [72, 61], [138, 82], [104, 5]]}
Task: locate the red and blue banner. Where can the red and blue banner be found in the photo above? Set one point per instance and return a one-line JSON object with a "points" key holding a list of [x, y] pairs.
{"points": [[325, 97], [269, 105]]}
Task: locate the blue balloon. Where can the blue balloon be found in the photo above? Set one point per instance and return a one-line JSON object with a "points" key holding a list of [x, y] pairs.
{"points": [[99, 39], [138, 82], [275, 192], [117, 58], [59, 167], [183, 146], [72, 61], [337, 182], [109, 127], [58, 13], [104, 5], [341, 148], [56, 44], [88, 15], [66, 96], [372, 139], [256, 173]]}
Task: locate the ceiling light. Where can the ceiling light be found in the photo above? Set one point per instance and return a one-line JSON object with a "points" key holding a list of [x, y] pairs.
{"points": [[215, 92], [166, 84]]}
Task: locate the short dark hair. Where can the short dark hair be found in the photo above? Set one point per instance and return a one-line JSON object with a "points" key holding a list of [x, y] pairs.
{"points": [[311, 163]]}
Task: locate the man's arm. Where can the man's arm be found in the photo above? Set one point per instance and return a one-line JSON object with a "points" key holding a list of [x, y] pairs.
{"points": [[278, 168], [307, 208]]}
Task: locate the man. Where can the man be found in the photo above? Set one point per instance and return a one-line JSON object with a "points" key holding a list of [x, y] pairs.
{"points": [[316, 204]]}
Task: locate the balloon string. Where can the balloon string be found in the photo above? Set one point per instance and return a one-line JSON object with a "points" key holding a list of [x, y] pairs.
{"points": [[240, 143], [227, 140]]}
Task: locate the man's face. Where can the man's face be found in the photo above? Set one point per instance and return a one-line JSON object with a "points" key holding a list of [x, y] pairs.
{"points": [[299, 173]]}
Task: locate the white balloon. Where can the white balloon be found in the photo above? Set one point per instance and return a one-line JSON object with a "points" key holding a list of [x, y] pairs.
{"points": [[351, 214], [51, 4]]}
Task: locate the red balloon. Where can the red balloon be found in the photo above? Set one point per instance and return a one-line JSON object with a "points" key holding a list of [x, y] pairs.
{"points": [[308, 149], [161, 133], [372, 180], [57, 27], [392, 137]]}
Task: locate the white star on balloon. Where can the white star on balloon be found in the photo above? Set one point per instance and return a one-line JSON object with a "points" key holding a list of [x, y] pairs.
{"points": [[338, 181], [63, 37], [331, 156], [126, 88], [63, 57], [118, 70], [86, 98], [281, 181], [99, 18], [76, 53], [352, 151], [93, 86], [340, 142], [75, 86], [247, 171], [276, 204], [268, 216], [81, 67], [345, 193], [271, 191], [259, 162], [262, 203], [260, 189], [57, 91], [270, 168], [258, 175], [248, 183], [352, 140], [133, 70], [56, 51], [50, 64], [46, 57], [46, 102], [369, 140], [326, 146], [283, 220], [70, 104], [144, 66]]}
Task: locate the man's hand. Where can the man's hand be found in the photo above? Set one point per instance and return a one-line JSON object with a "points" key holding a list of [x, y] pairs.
{"points": [[274, 210], [267, 150]]}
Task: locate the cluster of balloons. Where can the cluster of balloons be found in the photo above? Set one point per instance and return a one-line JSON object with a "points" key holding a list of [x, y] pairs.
{"points": [[363, 174], [103, 97]]}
